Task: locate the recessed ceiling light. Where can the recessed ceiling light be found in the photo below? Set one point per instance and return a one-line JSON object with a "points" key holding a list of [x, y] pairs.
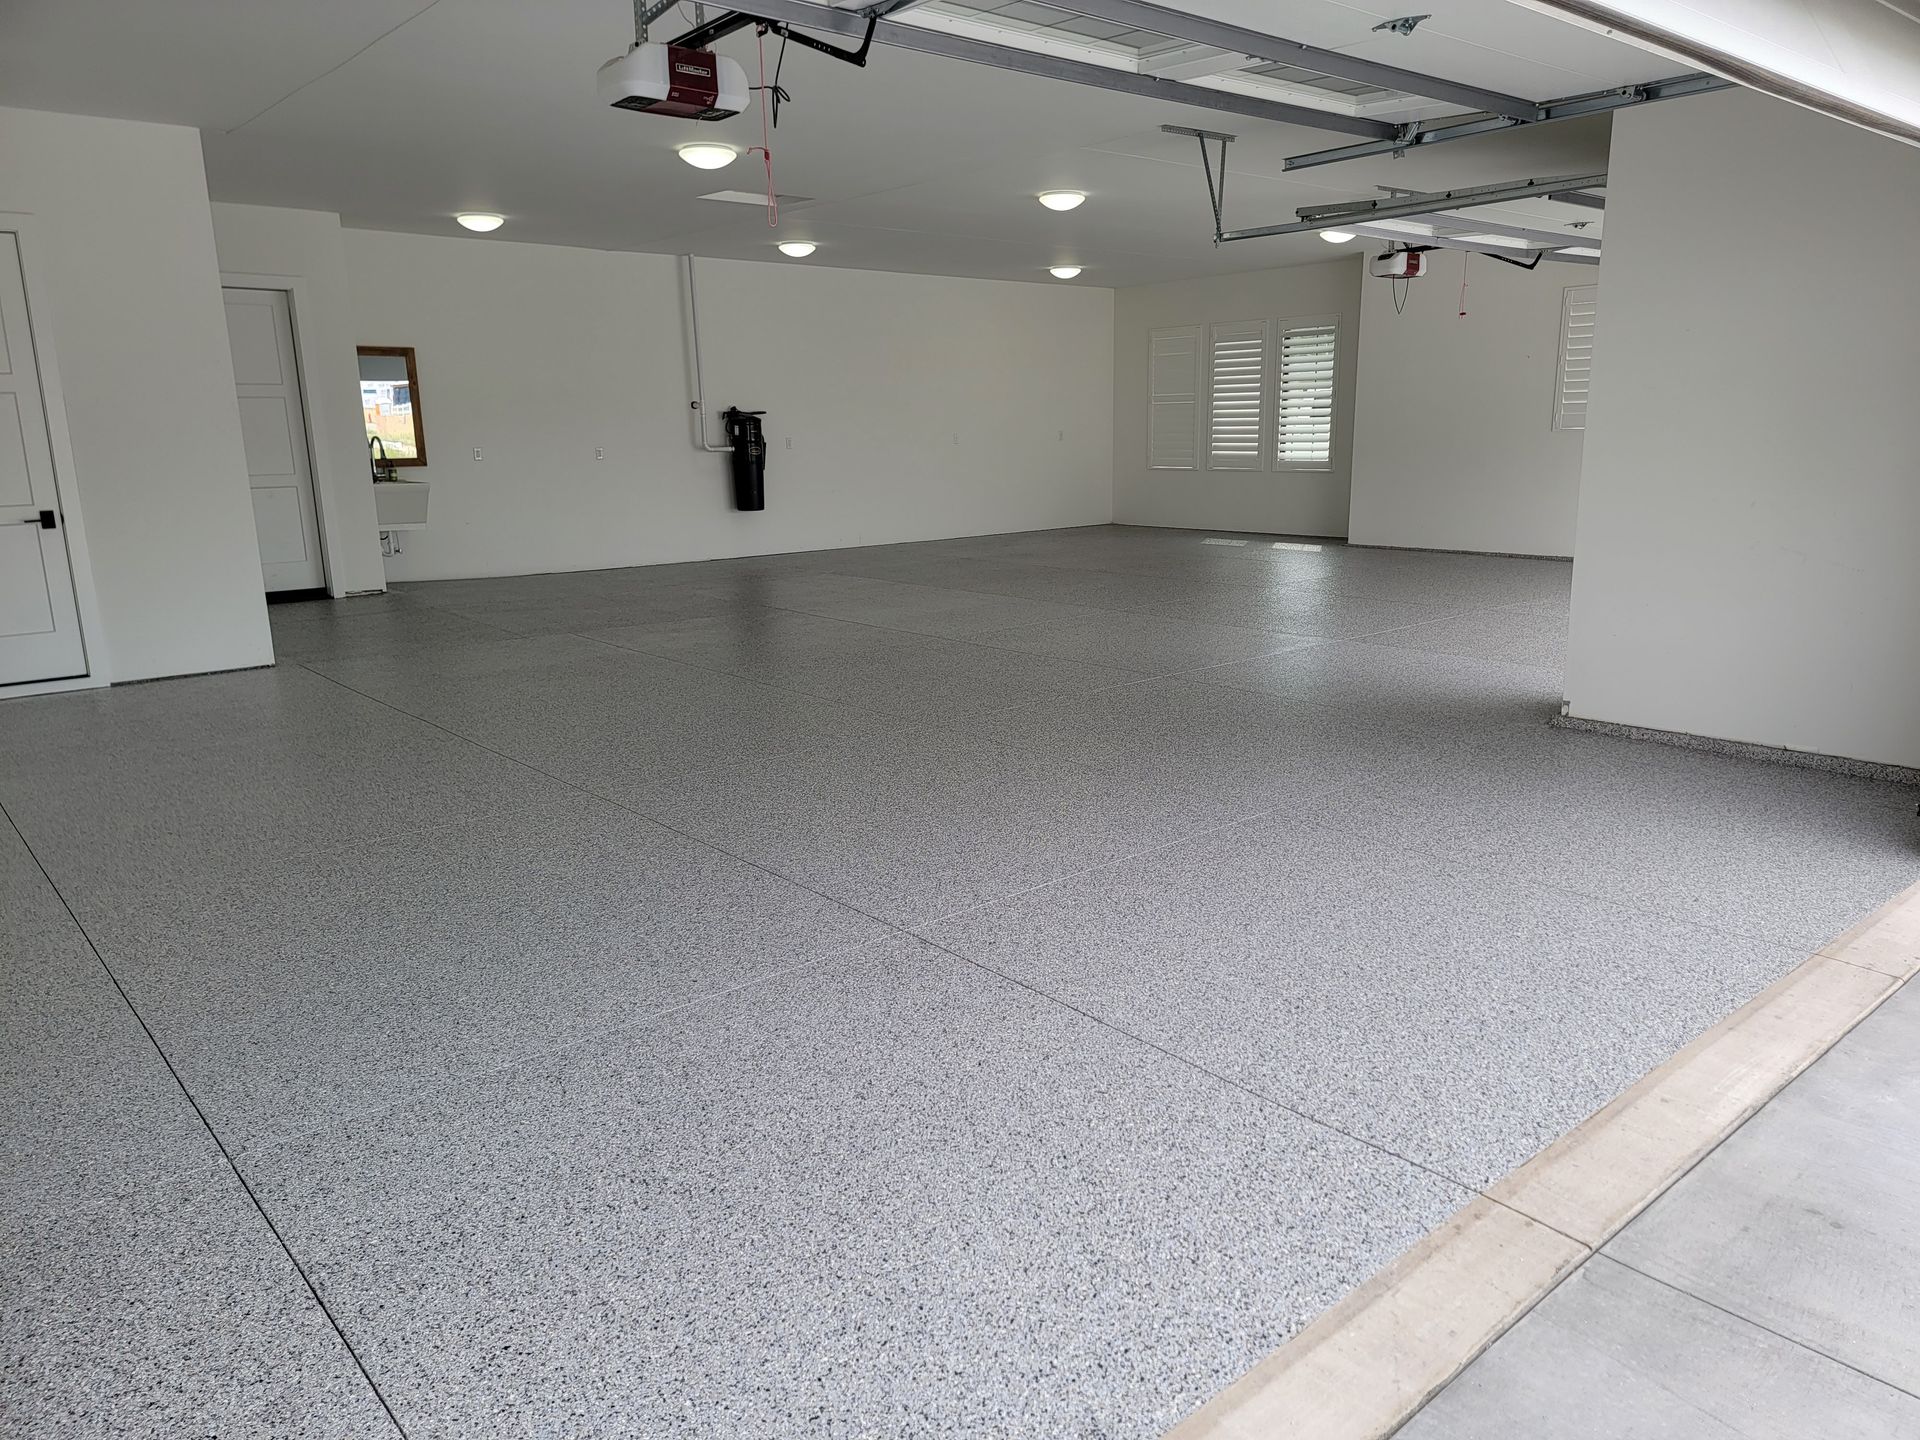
{"points": [[707, 155], [1062, 199], [474, 220], [798, 249], [1336, 237], [1064, 272]]}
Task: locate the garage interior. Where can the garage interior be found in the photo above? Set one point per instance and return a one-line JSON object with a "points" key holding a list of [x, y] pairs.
{"points": [[976, 717]]}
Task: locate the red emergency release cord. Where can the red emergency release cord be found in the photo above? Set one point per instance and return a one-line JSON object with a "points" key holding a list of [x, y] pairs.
{"points": [[765, 147]]}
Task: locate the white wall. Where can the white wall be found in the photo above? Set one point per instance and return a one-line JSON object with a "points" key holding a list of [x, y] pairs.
{"points": [[1454, 446], [1293, 502], [901, 407], [139, 332], [261, 242], [1746, 563]]}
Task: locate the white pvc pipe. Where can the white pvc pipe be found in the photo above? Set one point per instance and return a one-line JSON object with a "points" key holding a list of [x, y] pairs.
{"points": [[699, 378]]}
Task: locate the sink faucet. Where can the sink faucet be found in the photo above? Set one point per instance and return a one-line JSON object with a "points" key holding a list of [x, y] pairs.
{"points": [[384, 470]]}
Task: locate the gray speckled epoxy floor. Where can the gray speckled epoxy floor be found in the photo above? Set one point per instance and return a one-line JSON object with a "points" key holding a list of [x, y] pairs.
{"points": [[996, 987]]}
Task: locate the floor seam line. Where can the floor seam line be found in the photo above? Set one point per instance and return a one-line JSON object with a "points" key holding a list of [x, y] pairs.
{"points": [[1369, 709], [1364, 836], [226, 1155], [1756, 1324], [1190, 1063], [766, 869], [921, 635], [1607, 902], [1254, 592], [1557, 671], [1129, 678], [1112, 863], [479, 744], [373, 618], [1512, 1209], [1899, 981], [1789, 944], [771, 687], [1588, 1252], [595, 1037], [1136, 575], [622, 806]]}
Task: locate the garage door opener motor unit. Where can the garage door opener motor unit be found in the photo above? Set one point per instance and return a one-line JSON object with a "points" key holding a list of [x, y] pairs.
{"points": [[687, 79], [1398, 265], [675, 80]]}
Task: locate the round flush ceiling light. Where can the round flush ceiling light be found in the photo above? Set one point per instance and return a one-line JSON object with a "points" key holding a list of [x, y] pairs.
{"points": [[1064, 272], [1337, 237], [1062, 199], [798, 249], [706, 155], [474, 220]]}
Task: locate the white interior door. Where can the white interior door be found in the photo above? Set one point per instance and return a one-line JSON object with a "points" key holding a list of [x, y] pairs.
{"points": [[39, 624], [273, 424]]}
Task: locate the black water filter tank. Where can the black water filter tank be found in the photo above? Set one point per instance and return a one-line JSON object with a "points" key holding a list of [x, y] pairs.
{"points": [[749, 459]]}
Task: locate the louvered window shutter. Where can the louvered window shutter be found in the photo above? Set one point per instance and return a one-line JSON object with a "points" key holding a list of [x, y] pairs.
{"points": [[1579, 305], [1237, 396], [1173, 413], [1303, 417]]}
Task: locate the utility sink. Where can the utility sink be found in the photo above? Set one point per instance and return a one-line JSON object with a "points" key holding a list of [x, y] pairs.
{"points": [[401, 504]]}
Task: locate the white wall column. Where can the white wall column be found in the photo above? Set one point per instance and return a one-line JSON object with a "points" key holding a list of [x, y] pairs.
{"points": [[1747, 562], [140, 331]]}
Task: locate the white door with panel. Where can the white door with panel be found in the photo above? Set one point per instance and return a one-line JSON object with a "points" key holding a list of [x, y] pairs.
{"points": [[39, 623], [273, 425]]}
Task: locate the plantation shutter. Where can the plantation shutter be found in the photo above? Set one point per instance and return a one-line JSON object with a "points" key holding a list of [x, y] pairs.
{"points": [[1173, 400], [1303, 416], [1579, 305], [1237, 396]]}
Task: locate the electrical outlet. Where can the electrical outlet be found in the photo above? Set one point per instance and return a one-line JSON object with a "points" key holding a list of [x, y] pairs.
{"points": [[1063, 435], [599, 453], [476, 452], [789, 442]]}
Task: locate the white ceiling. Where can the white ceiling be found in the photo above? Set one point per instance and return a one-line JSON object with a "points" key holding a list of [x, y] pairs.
{"points": [[1858, 60], [398, 113]]}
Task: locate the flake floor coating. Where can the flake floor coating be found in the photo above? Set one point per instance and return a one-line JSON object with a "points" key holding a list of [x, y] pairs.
{"points": [[1001, 986]]}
